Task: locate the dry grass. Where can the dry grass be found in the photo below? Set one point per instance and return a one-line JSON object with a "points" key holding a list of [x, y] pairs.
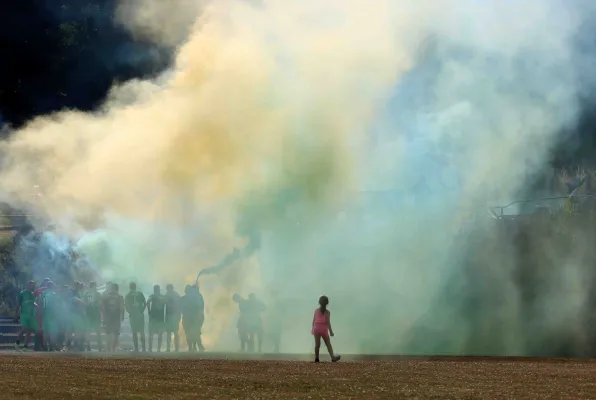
{"points": [[56, 377]]}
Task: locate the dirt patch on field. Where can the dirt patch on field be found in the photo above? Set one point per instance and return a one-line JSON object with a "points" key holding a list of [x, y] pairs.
{"points": [[48, 377]]}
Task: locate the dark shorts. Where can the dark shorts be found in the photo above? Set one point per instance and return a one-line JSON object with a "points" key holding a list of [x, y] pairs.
{"points": [[28, 322], [242, 325], [156, 325], [112, 324], [137, 322], [76, 323], [50, 325], [173, 323], [254, 326], [93, 322], [193, 325]]}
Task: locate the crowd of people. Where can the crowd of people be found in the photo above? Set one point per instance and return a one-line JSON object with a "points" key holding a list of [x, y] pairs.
{"points": [[63, 318]]}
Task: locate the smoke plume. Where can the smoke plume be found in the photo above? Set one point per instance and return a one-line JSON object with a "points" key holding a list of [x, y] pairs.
{"points": [[363, 141]]}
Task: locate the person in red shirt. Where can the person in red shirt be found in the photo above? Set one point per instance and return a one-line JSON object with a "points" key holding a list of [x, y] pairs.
{"points": [[39, 344]]}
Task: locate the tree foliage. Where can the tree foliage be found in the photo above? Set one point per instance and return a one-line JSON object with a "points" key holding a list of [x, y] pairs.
{"points": [[66, 54]]}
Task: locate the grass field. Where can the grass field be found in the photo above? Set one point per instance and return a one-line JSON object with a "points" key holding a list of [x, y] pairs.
{"points": [[68, 377]]}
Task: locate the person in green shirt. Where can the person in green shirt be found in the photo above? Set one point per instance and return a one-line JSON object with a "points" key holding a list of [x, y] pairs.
{"points": [[92, 299], [173, 317], [27, 315], [77, 315], [135, 304], [51, 306], [113, 315], [156, 306]]}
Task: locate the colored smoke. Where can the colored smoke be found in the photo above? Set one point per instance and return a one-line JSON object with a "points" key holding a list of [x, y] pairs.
{"points": [[357, 138]]}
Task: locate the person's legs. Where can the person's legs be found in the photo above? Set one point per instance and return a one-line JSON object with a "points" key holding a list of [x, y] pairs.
{"points": [[37, 341], [117, 338], [251, 341], [60, 334], [168, 340], [22, 330], [67, 337], [98, 337], [142, 334], [88, 331], [199, 332], [153, 330], [108, 341], [110, 333], [20, 335], [134, 330], [135, 341], [159, 337], [242, 334], [243, 340], [327, 340], [188, 335], [80, 333], [30, 329], [260, 340], [137, 325], [176, 341], [40, 339], [198, 340], [49, 340], [317, 347], [27, 336]]}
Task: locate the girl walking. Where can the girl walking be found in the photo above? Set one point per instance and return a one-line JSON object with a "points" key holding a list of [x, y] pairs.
{"points": [[321, 329]]}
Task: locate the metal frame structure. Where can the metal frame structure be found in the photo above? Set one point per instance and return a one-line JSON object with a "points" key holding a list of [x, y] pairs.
{"points": [[501, 213]]}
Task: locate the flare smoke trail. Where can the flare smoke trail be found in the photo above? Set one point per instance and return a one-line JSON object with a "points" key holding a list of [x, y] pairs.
{"points": [[279, 116]]}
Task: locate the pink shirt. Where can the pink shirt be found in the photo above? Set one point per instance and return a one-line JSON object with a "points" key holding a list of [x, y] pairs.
{"points": [[321, 324]]}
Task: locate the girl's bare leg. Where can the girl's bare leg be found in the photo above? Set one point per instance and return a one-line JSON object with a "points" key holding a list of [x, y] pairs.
{"points": [[317, 346], [334, 358], [329, 347]]}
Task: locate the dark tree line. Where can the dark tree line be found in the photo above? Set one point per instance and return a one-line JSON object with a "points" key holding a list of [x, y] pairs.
{"points": [[66, 54]]}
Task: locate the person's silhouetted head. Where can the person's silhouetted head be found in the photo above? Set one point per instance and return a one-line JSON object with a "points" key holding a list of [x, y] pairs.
{"points": [[323, 303]]}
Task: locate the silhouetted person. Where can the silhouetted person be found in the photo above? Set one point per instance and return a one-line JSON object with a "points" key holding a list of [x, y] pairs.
{"points": [[26, 315], [156, 306], [321, 329], [173, 316], [193, 317], [113, 315], [135, 304], [92, 300], [242, 324], [254, 322]]}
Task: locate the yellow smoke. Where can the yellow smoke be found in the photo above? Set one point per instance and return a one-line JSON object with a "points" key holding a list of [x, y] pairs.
{"points": [[260, 100]]}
